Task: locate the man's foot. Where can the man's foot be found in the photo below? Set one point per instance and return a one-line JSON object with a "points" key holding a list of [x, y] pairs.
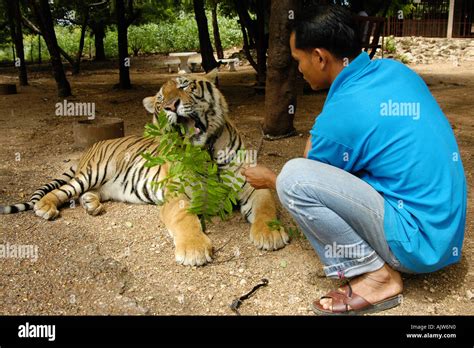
{"points": [[374, 286]]}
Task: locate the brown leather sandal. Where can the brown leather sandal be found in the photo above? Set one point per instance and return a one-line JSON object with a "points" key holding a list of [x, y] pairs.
{"points": [[359, 305]]}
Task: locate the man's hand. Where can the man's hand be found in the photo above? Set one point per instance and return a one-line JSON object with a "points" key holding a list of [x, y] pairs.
{"points": [[260, 177]]}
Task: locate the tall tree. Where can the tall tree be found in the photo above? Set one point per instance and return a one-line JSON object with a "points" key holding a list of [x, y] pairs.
{"points": [[100, 18], [98, 29], [261, 42], [42, 13], [37, 30], [124, 60], [215, 30], [253, 32], [207, 52], [85, 10], [80, 13], [14, 16], [280, 95]]}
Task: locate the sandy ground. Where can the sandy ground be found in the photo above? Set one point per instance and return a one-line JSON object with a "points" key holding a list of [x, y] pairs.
{"points": [[123, 261]]}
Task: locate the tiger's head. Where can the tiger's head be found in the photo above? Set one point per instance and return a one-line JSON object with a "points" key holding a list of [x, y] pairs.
{"points": [[194, 102]]}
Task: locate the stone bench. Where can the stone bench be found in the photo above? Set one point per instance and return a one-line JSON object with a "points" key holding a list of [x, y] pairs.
{"points": [[230, 62], [172, 65], [184, 58]]}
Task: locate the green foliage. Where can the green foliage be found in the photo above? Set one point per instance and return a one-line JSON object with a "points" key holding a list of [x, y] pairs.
{"points": [[390, 45], [171, 35], [111, 43], [179, 35], [192, 171], [404, 59], [293, 231], [68, 40]]}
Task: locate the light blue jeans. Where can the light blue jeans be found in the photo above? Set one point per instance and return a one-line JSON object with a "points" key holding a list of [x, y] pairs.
{"points": [[341, 216]]}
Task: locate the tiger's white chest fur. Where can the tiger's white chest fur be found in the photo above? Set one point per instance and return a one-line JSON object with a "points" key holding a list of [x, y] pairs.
{"points": [[114, 191]]}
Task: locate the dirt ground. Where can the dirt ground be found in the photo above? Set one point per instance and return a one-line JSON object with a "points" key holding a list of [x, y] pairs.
{"points": [[122, 262]]}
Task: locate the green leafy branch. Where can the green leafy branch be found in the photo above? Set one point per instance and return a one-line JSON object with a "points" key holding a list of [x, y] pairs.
{"points": [[192, 171], [293, 232]]}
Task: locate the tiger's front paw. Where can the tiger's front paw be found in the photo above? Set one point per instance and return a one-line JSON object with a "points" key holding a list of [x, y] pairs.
{"points": [[264, 238], [46, 209], [193, 250], [91, 203]]}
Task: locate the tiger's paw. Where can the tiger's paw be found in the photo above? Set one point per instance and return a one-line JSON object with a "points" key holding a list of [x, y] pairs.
{"points": [[264, 238], [194, 250], [91, 203], [46, 209]]}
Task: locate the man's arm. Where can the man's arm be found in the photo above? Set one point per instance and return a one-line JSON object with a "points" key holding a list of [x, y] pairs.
{"points": [[307, 147], [262, 177]]}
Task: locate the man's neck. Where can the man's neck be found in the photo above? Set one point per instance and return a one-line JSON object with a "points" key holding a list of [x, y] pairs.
{"points": [[335, 69]]}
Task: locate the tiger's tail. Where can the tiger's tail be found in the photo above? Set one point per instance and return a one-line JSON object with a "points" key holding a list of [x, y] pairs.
{"points": [[39, 193]]}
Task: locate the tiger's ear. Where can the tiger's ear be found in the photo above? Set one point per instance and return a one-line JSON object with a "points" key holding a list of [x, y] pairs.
{"points": [[149, 104], [212, 76]]}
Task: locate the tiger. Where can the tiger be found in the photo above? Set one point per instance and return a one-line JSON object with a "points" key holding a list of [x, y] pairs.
{"points": [[114, 170]]}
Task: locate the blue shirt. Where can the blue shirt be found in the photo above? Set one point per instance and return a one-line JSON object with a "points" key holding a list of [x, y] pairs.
{"points": [[381, 123]]}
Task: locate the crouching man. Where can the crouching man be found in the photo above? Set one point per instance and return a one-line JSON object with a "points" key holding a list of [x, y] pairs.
{"points": [[381, 178]]}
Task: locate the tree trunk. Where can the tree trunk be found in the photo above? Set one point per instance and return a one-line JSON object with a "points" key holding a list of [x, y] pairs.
{"points": [[280, 94], [215, 30], [248, 54], [241, 7], [124, 60], [42, 12], [14, 16], [253, 33], [77, 64], [261, 45], [36, 30], [208, 61], [39, 49], [99, 35]]}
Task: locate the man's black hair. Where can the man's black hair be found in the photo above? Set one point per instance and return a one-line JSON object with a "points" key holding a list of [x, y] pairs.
{"points": [[328, 26]]}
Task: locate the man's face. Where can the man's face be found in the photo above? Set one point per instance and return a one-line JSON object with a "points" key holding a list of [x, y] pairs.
{"points": [[311, 64]]}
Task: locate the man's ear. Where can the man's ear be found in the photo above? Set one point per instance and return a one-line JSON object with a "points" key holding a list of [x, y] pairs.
{"points": [[149, 104], [319, 57]]}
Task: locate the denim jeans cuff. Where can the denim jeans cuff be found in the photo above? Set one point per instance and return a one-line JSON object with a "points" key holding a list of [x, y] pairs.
{"points": [[355, 267]]}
